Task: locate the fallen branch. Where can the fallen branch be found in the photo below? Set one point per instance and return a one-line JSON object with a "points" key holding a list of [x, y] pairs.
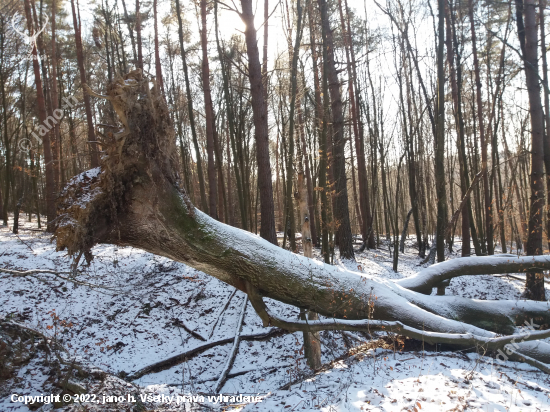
{"points": [[518, 356], [234, 349], [430, 277], [32, 272], [189, 354]]}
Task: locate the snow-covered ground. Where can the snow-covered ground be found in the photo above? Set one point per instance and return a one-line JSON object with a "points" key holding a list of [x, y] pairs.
{"points": [[133, 309]]}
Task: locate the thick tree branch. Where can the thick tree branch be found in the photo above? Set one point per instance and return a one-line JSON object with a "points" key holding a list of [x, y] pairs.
{"points": [[427, 279]]}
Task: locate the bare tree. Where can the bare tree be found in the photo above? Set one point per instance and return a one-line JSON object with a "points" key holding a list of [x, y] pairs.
{"points": [[528, 36]]}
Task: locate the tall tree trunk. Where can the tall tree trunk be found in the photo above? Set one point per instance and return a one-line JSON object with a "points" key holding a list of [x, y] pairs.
{"points": [[341, 211], [200, 174], [259, 109], [50, 182], [440, 138], [291, 125], [158, 68], [318, 104], [364, 201], [456, 86], [528, 36], [139, 64], [542, 6], [209, 117], [264, 56], [482, 138], [5, 110], [56, 147], [323, 164], [230, 215], [87, 105], [231, 121]]}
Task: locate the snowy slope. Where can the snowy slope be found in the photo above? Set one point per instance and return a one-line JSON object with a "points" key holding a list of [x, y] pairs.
{"points": [[143, 309]]}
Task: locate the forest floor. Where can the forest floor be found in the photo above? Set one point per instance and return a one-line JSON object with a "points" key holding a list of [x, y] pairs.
{"points": [[133, 309]]}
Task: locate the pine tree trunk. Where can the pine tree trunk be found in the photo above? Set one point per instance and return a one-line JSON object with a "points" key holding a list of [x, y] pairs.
{"points": [[534, 286], [158, 68], [139, 64], [440, 140], [259, 109], [542, 6]]}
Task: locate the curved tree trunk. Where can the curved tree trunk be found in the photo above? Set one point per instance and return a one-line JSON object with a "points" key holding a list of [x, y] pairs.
{"points": [[136, 200]]}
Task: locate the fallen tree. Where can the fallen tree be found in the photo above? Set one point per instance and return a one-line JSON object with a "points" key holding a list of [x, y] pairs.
{"points": [[135, 199]]}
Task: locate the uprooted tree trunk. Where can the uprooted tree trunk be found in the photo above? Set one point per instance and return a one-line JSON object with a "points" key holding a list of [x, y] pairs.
{"points": [[135, 199]]}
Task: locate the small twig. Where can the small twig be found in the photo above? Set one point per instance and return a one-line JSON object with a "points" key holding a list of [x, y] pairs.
{"points": [[178, 322], [22, 241]]}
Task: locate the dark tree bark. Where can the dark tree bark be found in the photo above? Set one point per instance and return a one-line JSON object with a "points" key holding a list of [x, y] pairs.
{"points": [[139, 64], [341, 210], [440, 138], [158, 68], [528, 36], [546, 137], [259, 109], [264, 51]]}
